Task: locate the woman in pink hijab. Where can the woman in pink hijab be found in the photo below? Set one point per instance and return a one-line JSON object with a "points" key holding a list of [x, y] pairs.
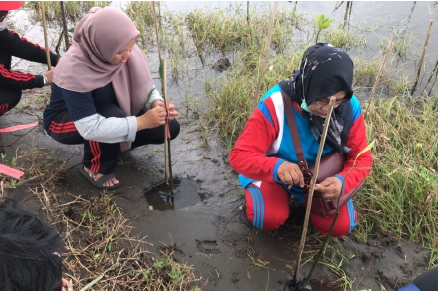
{"points": [[99, 93]]}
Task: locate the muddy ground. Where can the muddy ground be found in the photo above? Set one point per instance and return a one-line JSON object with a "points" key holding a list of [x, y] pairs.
{"points": [[203, 223]]}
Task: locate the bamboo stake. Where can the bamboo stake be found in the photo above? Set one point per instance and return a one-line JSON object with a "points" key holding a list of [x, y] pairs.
{"points": [[163, 87], [166, 153], [49, 65], [168, 161], [247, 11], [64, 25], [388, 49], [312, 186], [267, 45], [422, 57], [156, 30]]}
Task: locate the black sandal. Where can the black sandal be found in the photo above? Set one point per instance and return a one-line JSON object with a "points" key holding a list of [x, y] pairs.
{"points": [[99, 183]]}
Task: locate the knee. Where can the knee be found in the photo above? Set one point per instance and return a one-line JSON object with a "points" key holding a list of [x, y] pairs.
{"points": [[264, 221], [343, 225], [174, 129], [16, 97], [275, 220], [108, 110], [9, 99]]}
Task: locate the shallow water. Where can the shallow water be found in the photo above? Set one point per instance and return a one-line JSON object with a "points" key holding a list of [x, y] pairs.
{"points": [[399, 18], [184, 194]]}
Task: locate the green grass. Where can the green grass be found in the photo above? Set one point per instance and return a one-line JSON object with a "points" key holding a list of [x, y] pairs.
{"points": [[400, 195]]}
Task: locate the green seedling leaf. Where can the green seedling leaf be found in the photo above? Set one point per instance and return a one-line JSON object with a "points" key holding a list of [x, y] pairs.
{"points": [[160, 70], [149, 98], [323, 22]]}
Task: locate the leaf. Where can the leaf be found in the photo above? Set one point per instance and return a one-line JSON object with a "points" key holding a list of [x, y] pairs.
{"points": [[89, 285], [149, 98], [160, 70], [367, 148], [323, 22]]}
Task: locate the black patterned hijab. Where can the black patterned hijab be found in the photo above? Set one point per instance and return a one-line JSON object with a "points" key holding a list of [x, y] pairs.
{"points": [[324, 71]]}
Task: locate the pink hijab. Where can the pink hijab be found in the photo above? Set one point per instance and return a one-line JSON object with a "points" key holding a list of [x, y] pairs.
{"points": [[86, 65]]}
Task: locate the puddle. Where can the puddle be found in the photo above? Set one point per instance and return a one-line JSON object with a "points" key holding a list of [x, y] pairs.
{"points": [[185, 194]]}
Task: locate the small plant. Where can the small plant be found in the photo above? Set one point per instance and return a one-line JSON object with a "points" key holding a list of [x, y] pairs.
{"points": [[322, 22]]}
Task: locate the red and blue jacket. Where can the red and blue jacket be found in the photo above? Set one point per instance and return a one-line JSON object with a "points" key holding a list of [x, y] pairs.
{"points": [[266, 143]]}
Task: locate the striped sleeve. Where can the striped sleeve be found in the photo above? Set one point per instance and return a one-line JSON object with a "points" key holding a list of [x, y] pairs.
{"points": [[248, 157]]}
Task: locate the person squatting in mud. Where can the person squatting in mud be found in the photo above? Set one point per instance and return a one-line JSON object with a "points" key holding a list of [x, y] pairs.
{"points": [[99, 93], [11, 45], [264, 154], [30, 250]]}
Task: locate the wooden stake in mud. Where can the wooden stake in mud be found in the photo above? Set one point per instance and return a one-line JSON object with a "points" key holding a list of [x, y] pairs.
{"points": [[388, 49], [267, 45], [156, 31], [167, 129], [163, 87], [312, 186], [422, 57], [64, 25], [43, 17]]}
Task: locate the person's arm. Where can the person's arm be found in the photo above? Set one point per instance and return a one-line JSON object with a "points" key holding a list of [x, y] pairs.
{"points": [[19, 81], [12, 44], [93, 126], [357, 141], [248, 157]]}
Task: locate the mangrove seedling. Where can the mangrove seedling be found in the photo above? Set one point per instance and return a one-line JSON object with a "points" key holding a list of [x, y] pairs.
{"points": [[322, 22]]}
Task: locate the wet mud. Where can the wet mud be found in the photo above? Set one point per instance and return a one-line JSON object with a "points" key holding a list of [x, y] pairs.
{"points": [[203, 223]]}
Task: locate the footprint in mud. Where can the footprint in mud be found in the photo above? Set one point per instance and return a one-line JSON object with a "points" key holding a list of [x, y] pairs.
{"points": [[237, 240], [207, 247]]}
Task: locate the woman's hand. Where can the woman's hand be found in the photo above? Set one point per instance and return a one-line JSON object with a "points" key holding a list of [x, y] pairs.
{"points": [[49, 76], [172, 111], [330, 188], [152, 118], [290, 174]]}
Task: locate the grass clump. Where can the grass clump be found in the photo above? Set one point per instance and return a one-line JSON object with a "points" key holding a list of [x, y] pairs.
{"points": [[74, 10], [142, 15], [400, 195]]}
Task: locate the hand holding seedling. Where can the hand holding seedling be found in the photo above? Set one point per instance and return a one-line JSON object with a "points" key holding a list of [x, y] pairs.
{"points": [[152, 118], [172, 112], [330, 188], [290, 174]]}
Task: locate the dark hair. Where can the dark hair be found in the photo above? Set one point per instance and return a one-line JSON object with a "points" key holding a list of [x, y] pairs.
{"points": [[29, 249]]}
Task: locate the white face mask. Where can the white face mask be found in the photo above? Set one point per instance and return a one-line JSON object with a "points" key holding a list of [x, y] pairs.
{"points": [[3, 25]]}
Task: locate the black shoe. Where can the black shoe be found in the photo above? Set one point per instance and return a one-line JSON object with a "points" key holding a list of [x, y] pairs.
{"points": [[243, 216]]}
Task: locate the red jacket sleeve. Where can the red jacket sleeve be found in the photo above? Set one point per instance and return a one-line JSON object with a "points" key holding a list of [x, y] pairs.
{"points": [[248, 157]]}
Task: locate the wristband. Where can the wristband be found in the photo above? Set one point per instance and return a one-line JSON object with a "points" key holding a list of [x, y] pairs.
{"points": [[45, 81]]}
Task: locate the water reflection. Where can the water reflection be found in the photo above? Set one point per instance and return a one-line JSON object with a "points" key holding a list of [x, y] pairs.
{"points": [[185, 193]]}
